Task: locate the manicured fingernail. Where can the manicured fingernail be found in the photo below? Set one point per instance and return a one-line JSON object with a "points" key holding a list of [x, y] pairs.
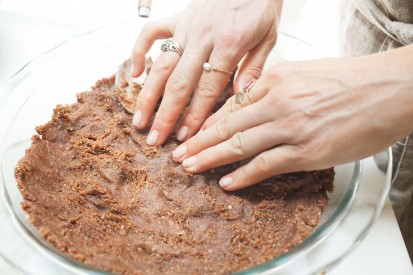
{"points": [[152, 138], [179, 152], [132, 70], [226, 181], [189, 162], [137, 117], [182, 133]]}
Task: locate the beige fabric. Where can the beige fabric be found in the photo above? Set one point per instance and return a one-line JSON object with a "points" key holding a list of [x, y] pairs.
{"points": [[370, 26]]}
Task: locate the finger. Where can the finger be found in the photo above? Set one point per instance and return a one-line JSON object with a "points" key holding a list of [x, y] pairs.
{"points": [[240, 146], [252, 65], [210, 87], [224, 129], [154, 87], [177, 92], [257, 91], [149, 34], [279, 160]]}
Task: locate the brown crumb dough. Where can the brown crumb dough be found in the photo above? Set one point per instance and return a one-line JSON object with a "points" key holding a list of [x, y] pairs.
{"points": [[97, 193]]}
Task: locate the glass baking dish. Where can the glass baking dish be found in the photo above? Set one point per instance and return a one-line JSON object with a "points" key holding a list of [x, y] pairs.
{"points": [[29, 97]]}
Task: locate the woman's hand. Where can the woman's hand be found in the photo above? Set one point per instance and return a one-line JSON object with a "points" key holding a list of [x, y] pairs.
{"points": [[307, 116], [219, 32]]}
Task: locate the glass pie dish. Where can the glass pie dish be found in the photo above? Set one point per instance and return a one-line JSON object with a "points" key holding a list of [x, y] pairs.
{"points": [[55, 77]]}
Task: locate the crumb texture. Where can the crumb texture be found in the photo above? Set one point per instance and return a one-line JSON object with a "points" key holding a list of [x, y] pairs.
{"points": [[96, 192]]}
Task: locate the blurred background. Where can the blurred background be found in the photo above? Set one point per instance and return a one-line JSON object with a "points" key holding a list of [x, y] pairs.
{"points": [[29, 28]]}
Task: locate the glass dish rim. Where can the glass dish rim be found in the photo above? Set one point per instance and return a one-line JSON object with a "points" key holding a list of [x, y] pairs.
{"points": [[316, 236]]}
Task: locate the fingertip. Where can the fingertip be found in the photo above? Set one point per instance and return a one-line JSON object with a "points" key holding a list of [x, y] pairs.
{"points": [[152, 138], [189, 164], [137, 119], [182, 133], [137, 65], [226, 182], [179, 153]]}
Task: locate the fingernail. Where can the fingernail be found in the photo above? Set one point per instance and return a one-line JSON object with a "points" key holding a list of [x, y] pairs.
{"points": [[179, 152], [152, 138], [137, 117], [226, 181], [189, 162], [132, 70], [182, 133]]}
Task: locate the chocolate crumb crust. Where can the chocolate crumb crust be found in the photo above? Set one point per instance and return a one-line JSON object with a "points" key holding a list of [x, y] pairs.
{"points": [[99, 194]]}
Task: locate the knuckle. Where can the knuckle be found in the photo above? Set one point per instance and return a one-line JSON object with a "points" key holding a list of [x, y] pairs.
{"points": [[195, 144], [304, 151], [176, 83], [232, 37], [280, 70], [207, 91], [161, 66], [223, 127], [147, 100], [203, 26], [254, 71], [228, 106], [262, 165], [230, 44], [302, 156], [164, 119], [194, 119], [238, 144]]}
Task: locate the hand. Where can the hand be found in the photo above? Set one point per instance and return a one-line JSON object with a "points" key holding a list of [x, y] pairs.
{"points": [[219, 32], [307, 116]]}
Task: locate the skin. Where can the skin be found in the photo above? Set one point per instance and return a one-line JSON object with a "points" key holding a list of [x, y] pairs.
{"points": [[307, 116], [223, 33]]}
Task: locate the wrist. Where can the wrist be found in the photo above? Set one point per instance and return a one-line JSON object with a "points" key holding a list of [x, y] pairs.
{"points": [[393, 80]]}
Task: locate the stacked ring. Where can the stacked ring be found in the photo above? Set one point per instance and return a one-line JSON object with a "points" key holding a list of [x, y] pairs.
{"points": [[170, 45], [239, 97]]}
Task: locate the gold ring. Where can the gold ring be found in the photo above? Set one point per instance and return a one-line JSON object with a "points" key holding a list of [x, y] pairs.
{"points": [[208, 67], [239, 98], [246, 89]]}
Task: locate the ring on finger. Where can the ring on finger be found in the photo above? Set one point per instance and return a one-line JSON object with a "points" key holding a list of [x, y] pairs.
{"points": [[208, 67], [170, 45], [246, 89], [239, 98]]}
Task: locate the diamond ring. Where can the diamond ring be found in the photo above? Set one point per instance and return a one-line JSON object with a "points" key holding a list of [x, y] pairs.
{"points": [[170, 45]]}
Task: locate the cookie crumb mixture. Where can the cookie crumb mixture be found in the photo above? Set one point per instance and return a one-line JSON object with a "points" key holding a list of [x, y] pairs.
{"points": [[98, 193]]}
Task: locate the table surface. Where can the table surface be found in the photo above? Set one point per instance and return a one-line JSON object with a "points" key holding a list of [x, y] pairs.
{"points": [[29, 28]]}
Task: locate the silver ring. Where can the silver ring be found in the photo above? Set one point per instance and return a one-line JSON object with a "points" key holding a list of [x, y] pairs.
{"points": [[170, 45]]}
